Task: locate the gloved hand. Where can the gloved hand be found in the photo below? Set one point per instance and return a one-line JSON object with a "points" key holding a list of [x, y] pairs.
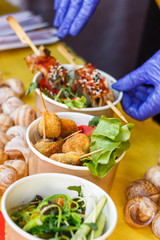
{"points": [[72, 15], [141, 88]]}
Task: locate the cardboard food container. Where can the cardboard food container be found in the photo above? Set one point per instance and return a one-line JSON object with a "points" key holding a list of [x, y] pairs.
{"points": [[54, 106], [38, 163], [49, 184]]}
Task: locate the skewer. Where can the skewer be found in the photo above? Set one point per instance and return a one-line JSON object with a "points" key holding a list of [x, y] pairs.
{"points": [[116, 111], [44, 112], [68, 55], [70, 135], [22, 34], [35, 109], [88, 154]]}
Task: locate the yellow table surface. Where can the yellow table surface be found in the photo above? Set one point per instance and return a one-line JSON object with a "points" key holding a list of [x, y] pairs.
{"points": [[143, 153]]}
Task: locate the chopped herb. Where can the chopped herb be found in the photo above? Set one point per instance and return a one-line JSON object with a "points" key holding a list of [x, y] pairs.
{"points": [[32, 87]]}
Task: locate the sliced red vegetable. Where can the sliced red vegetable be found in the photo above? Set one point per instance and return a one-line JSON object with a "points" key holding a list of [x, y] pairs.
{"points": [[86, 129]]}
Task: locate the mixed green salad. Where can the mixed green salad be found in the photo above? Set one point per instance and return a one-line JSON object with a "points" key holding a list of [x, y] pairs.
{"points": [[62, 94], [110, 135], [60, 217]]}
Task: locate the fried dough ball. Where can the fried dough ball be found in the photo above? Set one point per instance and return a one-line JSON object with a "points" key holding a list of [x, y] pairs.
{"points": [[72, 158], [52, 125], [78, 143], [47, 147], [68, 127]]}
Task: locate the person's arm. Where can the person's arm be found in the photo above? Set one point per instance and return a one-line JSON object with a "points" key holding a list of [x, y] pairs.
{"points": [[72, 15], [141, 88]]}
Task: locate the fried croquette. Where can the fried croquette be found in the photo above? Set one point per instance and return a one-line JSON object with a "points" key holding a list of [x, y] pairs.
{"points": [[68, 127], [79, 143], [52, 126], [47, 147], [67, 158]]}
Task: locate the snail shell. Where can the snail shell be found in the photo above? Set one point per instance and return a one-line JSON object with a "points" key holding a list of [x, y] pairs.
{"points": [[139, 212], [5, 122], [6, 93], [4, 139], [142, 187], [23, 115], [153, 175], [3, 156], [11, 105], [8, 175], [15, 147], [156, 224], [17, 131], [15, 84], [19, 165]]}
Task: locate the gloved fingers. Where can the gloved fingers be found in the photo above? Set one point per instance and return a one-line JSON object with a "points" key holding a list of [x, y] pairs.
{"points": [[61, 12], [56, 4], [141, 110], [83, 16], [142, 92], [130, 81], [72, 12], [151, 106], [130, 104]]}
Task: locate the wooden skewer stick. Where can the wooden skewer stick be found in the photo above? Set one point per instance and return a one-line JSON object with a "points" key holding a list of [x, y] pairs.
{"points": [[70, 135], [68, 55], [44, 112], [88, 154], [116, 111], [35, 109], [22, 34]]}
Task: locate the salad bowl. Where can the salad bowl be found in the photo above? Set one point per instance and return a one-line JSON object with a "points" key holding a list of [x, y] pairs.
{"points": [[55, 106], [38, 163], [22, 191]]}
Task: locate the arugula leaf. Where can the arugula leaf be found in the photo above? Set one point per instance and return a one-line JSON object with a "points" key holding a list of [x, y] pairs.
{"points": [[113, 138], [76, 188], [94, 121], [32, 87]]}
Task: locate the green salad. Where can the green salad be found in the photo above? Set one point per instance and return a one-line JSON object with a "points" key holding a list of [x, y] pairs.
{"points": [[60, 217]]}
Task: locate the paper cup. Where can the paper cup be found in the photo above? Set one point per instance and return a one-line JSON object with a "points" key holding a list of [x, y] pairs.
{"points": [[48, 184], [54, 106], [38, 163]]}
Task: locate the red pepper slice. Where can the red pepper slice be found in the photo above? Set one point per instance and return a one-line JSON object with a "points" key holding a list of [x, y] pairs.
{"points": [[86, 129]]}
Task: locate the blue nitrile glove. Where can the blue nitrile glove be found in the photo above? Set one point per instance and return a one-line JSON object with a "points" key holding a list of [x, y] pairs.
{"points": [[72, 15], [141, 88]]}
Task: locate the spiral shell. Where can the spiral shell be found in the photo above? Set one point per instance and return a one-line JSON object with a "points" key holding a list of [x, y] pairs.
{"points": [[6, 93], [15, 147], [153, 175], [4, 139], [19, 165], [5, 122], [23, 115], [142, 187], [156, 224], [11, 104], [17, 131], [139, 212], [15, 84], [8, 175], [3, 156]]}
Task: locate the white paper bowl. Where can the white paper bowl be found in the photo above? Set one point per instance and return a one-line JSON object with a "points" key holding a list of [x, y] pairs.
{"points": [[45, 185], [38, 163], [54, 106]]}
